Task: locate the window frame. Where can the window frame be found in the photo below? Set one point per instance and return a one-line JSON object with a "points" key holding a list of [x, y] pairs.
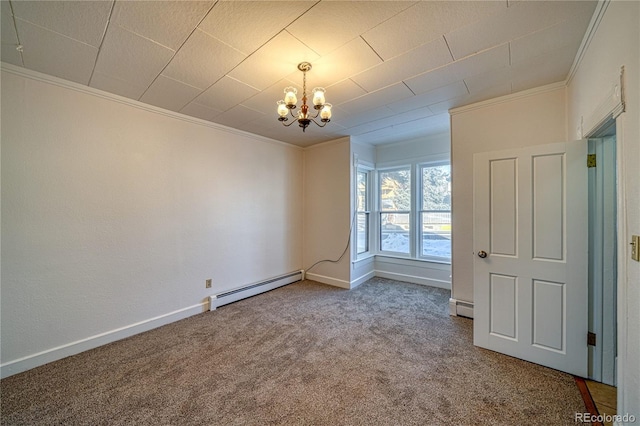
{"points": [[368, 172], [420, 210], [380, 211]]}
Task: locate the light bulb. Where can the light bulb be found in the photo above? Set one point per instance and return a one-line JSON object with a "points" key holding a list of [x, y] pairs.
{"points": [[282, 109], [325, 113], [318, 96], [290, 95]]}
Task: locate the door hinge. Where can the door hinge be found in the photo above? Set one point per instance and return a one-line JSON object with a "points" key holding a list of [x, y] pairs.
{"points": [[591, 160], [591, 339]]}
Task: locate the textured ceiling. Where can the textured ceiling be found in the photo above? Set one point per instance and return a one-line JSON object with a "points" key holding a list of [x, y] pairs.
{"points": [[392, 69]]}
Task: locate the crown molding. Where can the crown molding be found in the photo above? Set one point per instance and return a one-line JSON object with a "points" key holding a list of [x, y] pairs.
{"points": [[598, 14], [56, 81]]}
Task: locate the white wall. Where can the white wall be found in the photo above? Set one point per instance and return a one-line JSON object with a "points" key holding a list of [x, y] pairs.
{"points": [[114, 214], [414, 149], [327, 211], [616, 43], [534, 117]]}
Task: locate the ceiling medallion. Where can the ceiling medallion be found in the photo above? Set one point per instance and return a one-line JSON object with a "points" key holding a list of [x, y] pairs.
{"points": [[303, 118]]}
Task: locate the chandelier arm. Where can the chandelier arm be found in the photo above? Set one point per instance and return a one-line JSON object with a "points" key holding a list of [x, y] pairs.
{"points": [[287, 125], [318, 124]]}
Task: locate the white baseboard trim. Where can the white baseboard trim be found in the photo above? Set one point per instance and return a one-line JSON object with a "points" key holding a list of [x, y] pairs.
{"points": [[31, 361], [355, 283], [458, 308], [328, 280], [414, 279]]}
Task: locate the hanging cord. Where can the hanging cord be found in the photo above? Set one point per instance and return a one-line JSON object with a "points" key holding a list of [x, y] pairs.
{"points": [[353, 220]]}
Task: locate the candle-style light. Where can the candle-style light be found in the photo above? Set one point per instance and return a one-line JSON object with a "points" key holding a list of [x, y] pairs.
{"points": [[323, 109]]}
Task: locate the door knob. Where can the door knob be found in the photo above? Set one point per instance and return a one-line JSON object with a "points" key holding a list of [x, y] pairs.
{"points": [[482, 254]]}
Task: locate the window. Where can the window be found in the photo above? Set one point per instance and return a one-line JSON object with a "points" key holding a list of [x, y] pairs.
{"points": [[395, 210], [362, 209], [435, 211]]}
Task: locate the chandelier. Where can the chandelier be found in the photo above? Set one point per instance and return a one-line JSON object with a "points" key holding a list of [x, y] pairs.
{"points": [[303, 118]]}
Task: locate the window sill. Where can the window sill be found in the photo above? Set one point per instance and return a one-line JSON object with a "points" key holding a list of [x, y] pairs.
{"points": [[370, 257], [433, 264]]}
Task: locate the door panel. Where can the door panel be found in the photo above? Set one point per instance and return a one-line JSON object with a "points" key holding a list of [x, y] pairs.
{"points": [[504, 233], [530, 290], [548, 207], [504, 297]]}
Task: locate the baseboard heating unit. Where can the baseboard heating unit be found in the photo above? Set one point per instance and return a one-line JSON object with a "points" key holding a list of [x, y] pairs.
{"points": [[249, 290]]}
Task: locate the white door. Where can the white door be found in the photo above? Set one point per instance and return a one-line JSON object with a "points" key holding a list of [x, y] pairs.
{"points": [[530, 221]]}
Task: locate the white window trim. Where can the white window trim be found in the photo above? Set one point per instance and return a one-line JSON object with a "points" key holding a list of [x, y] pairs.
{"points": [[415, 166], [379, 212], [419, 192], [370, 169]]}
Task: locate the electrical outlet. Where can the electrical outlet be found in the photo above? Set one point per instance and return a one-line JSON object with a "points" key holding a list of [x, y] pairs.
{"points": [[208, 283]]}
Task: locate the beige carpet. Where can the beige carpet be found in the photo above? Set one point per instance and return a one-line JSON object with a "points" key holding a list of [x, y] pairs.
{"points": [[386, 353]]}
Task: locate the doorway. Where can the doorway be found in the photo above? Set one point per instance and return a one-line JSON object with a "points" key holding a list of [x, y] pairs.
{"points": [[603, 255]]}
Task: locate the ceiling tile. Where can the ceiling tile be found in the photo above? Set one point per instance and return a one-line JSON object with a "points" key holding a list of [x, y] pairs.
{"points": [[237, 115], [406, 131], [490, 93], [202, 61], [424, 58], [378, 98], [84, 21], [347, 120], [344, 62], [200, 111], [55, 54], [518, 20], [259, 23], [546, 69], [426, 21], [392, 121], [330, 24], [433, 79], [440, 94], [168, 23], [481, 82], [226, 93], [275, 60], [266, 99], [8, 30], [11, 55], [344, 91], [478, 63], [567, 33], [169, 94], [8, 36], [129, 57], [117, 86]]}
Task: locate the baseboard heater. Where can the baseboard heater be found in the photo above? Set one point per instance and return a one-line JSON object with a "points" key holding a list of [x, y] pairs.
{"points": [[249, 290]]}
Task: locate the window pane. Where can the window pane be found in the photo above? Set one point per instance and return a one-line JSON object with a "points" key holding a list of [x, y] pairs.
{"points": [[363, 233], [394, 232], [362, 191], [436, 234], [395, 190], [436, 187]]}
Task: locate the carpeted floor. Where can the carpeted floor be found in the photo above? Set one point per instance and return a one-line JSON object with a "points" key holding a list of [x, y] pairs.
{"points": [[386, 353]]}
